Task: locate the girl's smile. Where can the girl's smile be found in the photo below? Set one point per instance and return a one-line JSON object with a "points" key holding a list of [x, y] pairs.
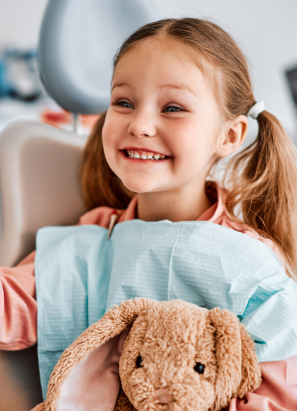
{"points": [[135, 153]]}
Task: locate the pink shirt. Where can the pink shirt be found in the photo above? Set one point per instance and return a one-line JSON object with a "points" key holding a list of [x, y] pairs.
{"points": [[18, 310]]}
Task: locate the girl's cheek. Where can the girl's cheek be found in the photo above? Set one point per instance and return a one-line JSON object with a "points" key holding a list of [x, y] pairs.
{"points": [[107, 142], [108, 133], [181, 138]]}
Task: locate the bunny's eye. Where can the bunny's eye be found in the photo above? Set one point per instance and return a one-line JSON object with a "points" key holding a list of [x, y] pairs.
{"points": [[199, 368], [139, 361]]}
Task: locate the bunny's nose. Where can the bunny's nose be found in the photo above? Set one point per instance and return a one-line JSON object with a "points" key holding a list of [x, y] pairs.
{"points": [[161, 395]]}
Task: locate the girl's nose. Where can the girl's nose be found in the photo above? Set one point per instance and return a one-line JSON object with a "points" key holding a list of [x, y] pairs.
{"points": [[161, 395], [142, 126]]}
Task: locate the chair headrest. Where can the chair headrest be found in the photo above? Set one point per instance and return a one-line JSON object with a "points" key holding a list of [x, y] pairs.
{"points": [[77, 43]]}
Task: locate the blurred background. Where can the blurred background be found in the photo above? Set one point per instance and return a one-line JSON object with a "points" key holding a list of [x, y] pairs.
{"points": [[266, 30]]}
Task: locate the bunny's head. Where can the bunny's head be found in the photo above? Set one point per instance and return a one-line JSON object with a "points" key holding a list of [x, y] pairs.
{"points": [[171, 356]]}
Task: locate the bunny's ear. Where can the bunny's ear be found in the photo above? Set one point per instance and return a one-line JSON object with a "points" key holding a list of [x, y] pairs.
{"points": [[87, 374], [250, 369], [237, 368], [39, 407]]}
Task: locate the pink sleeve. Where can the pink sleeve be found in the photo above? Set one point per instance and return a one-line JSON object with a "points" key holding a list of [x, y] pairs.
{"points": [[18, 308], [278, 391]]}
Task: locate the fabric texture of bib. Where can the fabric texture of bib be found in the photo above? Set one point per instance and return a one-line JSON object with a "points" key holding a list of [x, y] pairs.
{"points": [[80, 274]]}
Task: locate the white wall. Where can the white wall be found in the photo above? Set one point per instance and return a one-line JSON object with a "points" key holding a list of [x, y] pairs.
{"points": [[266, 30], [20, 22]]}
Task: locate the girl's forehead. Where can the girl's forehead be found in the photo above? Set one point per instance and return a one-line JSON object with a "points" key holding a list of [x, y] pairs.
{"points": [[160, 63], [158, 52]]}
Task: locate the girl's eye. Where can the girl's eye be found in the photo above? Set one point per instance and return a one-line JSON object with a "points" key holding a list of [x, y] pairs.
{"points": [[175, 109], [171, 109], [122, 103]]}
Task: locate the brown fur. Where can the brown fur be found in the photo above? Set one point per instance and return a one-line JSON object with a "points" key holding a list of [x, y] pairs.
{"points": [[171, 337], [123, 403]]}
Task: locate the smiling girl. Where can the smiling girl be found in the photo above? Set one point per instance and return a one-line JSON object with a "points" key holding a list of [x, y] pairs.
{"points": [[161, 133], [181, 94]]}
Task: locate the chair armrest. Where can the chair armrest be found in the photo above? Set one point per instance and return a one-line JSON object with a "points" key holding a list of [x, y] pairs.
{"points": [[39, 184]]}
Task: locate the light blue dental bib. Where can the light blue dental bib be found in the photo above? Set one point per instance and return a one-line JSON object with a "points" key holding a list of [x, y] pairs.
{"points": [[80, 274]]}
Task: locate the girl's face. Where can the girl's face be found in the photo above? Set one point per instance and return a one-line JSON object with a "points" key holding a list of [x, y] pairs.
{"points": [[160, 104]]}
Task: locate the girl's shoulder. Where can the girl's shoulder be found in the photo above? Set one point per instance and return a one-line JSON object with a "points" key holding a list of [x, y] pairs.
{"points": [[221, 217], [245, 229]]}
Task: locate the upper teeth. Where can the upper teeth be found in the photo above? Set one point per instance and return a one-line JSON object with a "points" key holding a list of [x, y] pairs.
{"points": [[147, 156]]}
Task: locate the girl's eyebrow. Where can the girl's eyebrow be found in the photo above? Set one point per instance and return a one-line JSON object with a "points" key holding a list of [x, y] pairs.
{"points": [[180, 86], [120, 85]]}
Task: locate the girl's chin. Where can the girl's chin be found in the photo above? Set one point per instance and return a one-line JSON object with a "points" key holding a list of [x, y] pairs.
{"points": [[140, 187], [137, 190]]}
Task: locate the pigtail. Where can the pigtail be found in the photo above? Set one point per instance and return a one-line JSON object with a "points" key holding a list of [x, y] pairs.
{"points": [[99, 184], [266, 187]]}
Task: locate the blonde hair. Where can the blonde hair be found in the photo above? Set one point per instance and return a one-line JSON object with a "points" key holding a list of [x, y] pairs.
{"points": [[261, 179]]}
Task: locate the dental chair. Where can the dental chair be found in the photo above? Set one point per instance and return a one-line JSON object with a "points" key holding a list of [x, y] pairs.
{"points": [[39, 164], [39, 186]]}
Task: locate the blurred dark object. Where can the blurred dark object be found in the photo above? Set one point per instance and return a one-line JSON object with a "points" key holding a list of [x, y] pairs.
{"points": [[292, 79], [19, 76], [20, 388], [62, 117]]}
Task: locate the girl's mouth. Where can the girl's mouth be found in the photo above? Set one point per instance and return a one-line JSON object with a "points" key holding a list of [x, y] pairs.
{"points": [[143, 155]]}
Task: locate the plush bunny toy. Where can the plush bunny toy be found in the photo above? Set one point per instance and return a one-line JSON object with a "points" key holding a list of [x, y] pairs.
{"points": [[169, 355]]}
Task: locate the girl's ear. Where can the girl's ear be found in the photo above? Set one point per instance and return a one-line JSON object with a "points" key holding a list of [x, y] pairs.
{"points": [[232, 136], [86, 376]]}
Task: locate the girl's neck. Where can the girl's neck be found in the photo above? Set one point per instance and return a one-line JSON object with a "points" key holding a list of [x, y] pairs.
{"points": [[175, 205]]}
